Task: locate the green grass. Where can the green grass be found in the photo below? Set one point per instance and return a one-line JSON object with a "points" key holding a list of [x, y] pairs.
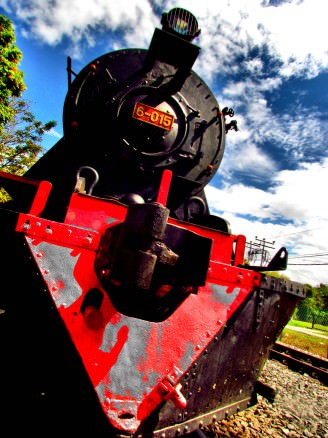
{"points": [[312, 344], [317, 327]]}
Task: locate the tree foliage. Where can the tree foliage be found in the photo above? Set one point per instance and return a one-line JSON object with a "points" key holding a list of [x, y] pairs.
{"points": [[20, 133], [317, 297], [11, 78], [20, 139], [321, 296], [314, 308], [277, 274]]}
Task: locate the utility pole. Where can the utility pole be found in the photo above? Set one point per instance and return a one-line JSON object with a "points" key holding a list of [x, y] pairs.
{"points": [[260, 246]]}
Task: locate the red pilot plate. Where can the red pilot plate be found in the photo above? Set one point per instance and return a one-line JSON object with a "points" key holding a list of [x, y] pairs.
{"points": [[153, 116]]}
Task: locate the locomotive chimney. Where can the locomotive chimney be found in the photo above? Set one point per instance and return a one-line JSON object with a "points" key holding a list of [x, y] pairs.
{"points": [[173, 46]]}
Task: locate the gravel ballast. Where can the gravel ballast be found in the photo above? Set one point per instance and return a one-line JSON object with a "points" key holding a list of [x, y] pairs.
{"points": [[300, 409]]}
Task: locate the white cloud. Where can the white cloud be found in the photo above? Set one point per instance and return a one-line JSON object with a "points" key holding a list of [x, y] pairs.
{"points": [[52, 21], [299, 134], [238, 199], [299, 193], [293, 31], [297, 32], [248, 158], [297, 201]]}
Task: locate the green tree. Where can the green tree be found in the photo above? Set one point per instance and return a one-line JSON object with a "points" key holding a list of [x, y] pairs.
{"points": [[310, 304], [315, 306], [308, 290], [11, 78], [321, 296], [20, 140]]}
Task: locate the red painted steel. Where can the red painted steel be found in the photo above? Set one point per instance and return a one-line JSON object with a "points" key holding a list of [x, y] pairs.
{"points": [[117, 349], [164, 187], [40, 198]]}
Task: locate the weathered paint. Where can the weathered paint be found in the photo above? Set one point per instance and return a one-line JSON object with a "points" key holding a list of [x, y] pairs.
{"points": [[129, 360]]}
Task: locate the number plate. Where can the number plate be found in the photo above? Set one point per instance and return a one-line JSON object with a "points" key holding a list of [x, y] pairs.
{"points": [[153, 116]]}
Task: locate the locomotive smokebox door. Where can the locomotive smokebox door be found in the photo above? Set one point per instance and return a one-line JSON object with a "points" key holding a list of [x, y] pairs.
{"points": [[140, 112]]}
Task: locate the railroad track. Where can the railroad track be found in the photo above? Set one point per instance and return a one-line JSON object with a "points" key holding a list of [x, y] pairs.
{"points": [[301, 361]]}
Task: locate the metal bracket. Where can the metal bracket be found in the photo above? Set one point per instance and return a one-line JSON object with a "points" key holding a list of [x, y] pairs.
{"points": [[173, 392]]}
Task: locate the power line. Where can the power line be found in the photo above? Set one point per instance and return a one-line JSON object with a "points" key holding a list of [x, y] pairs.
{"points": [[259, 248], [295, 232], [307, 264], [318, 254], [322, 254]]}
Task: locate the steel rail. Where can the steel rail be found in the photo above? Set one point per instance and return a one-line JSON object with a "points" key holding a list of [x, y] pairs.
{"points": [[301, 361]]}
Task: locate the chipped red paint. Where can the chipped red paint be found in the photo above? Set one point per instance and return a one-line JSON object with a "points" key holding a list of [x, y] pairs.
{"points": [[111, 344]]}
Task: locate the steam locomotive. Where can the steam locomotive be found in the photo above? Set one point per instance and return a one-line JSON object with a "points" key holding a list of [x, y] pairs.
{"points": [[128, 309]]}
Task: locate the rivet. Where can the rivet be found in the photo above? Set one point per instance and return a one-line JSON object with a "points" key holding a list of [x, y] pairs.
{"points": [[88, 239]]}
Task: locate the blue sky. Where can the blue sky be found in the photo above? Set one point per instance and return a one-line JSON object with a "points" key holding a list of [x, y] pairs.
{"points": [[268, 60]]}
